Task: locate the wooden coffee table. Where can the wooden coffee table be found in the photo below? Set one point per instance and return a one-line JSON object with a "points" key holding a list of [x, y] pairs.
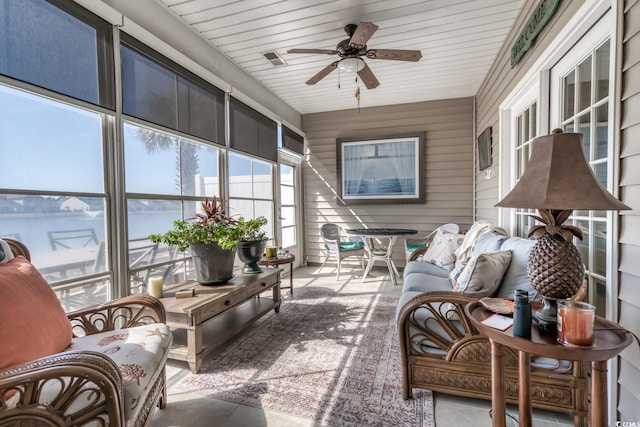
{"points": [[275, 262], [202, 323]]}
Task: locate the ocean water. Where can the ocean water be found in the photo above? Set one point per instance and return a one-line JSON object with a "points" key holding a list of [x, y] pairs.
{"points": [[32, 230], [371, 187]]}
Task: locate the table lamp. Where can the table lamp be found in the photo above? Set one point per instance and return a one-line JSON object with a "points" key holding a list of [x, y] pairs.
{"points": [[557, 180]]}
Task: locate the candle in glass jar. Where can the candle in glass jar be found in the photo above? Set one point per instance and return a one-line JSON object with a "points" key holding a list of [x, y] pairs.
{"points": [[575, 323], [271, 251], [155, 287]]}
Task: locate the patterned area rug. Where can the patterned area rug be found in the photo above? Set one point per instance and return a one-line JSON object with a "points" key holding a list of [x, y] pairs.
{"points": [[326, 357]]}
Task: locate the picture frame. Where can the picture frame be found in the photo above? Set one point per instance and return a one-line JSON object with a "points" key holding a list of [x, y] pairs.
{"points": [[484, 149], [386, 170]]}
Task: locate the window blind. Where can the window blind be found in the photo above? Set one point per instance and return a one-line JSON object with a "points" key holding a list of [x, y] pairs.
{"points": [[252, 132]]}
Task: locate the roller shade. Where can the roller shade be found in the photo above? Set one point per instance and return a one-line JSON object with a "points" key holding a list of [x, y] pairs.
{"points": [[292, 141], [252, 132], [158, 90]]}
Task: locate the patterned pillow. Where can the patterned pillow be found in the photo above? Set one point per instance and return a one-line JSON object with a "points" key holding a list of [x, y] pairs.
{"points": [[442, 248], [483, 274]]}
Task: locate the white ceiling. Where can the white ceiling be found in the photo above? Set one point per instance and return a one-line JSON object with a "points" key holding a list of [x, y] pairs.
{"points": [[459, 40]]}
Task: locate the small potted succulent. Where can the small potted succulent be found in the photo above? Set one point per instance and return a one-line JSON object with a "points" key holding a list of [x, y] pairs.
{"points": [[213, 238]]}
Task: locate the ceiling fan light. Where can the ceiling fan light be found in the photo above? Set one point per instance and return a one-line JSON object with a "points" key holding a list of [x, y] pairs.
{"points": [[351, 65]]}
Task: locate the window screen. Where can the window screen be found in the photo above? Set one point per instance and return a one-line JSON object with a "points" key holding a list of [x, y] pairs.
{"points": [[292, 140], [252, 132], [160, 91], [43, 44]]}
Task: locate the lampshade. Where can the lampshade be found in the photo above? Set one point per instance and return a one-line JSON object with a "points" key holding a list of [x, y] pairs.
{"points": [[557, 181], [558, 177], [351, 64]]}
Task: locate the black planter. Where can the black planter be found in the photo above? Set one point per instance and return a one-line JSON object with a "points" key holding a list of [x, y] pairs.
{"points": [[212, 263], [250, 253]]}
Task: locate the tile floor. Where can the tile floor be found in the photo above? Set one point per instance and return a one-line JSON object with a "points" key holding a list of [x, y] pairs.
{"points": [[190, 410]]}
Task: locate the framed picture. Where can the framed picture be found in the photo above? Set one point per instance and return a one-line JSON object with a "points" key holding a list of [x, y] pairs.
{"points": [[385, 170], [484, 149]]}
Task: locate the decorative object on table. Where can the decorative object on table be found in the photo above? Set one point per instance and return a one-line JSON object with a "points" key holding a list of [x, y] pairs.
{"points": [[271, 252], [557, 180], [384, 171], [575, 323], [498, 305], [155, 287], [252, 243], [213, 238], [521, 315]]}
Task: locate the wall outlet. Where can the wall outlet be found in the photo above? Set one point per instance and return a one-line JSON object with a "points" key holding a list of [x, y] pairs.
{"points": [[488, 174]]}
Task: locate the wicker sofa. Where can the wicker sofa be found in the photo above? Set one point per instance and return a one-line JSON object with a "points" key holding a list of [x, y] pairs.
{"points": [[443, 352], [108, 368]]}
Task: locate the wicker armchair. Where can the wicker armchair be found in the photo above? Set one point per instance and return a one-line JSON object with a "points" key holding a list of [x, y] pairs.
{"points": [[87, 384]]}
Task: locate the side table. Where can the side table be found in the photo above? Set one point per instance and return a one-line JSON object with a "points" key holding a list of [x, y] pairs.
{"points": [[609, 340], [275, 262]]}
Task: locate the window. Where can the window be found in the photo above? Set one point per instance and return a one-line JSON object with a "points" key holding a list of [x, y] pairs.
{"points": [[251, 189], [585, 109], [526, 130], [55, 199], [288, 212]]}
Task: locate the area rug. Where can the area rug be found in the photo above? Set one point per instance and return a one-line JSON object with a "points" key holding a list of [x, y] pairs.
{"points": [[325, 357]]}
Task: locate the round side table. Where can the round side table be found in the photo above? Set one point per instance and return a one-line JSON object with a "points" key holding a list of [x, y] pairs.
{"points": [[275, 262], [609, 340]]}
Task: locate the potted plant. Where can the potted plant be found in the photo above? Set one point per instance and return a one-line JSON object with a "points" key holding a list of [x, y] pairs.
{"points": [[252, 242], [213, 239]]}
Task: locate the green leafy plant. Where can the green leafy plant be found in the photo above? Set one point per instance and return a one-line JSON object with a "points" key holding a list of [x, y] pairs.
{"points": [[213, 225]]}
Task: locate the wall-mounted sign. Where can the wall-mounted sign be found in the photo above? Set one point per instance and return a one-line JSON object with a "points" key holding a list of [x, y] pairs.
{"points": [[541, 16]]}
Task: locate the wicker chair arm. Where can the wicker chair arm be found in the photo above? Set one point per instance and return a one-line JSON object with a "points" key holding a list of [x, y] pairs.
{"points": [[65, 389], [420, 251], [126, 312]]}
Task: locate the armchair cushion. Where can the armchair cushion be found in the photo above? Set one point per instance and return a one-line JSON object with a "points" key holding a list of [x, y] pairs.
{"points": [[351, 246], [137, 352], [33, 324]]}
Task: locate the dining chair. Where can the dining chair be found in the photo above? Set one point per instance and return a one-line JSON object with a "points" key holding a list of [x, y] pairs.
{"points": [[340, 249]]}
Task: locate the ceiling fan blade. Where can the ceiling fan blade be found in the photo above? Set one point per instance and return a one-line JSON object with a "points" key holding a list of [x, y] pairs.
{"points": [[367, 77], [362, 34], [395, 54], [320, 51], [323, 73]]}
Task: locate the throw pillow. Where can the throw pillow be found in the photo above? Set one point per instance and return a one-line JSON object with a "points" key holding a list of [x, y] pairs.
{"points": [[483, 274], [481, 277], [442, 248], [33, 324]]}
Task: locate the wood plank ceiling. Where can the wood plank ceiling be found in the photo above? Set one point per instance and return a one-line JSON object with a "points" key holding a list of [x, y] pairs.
{"points": [[459, 40]]}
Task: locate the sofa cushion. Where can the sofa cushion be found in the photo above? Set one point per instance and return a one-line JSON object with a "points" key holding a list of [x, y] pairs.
{"points": [[515, 278], [33, 324], [137, 351], [490, 241], [483, 273], [441, 250], [424, 268], [425, 283]]}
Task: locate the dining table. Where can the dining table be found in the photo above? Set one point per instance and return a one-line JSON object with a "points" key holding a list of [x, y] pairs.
{"points": [[375, 253]]}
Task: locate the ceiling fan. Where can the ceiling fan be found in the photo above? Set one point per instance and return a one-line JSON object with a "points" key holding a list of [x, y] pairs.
{"points": [[352, 50]]}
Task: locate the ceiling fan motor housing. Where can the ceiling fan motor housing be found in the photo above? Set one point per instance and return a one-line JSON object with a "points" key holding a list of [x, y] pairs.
{"points": [[344, 49]]}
